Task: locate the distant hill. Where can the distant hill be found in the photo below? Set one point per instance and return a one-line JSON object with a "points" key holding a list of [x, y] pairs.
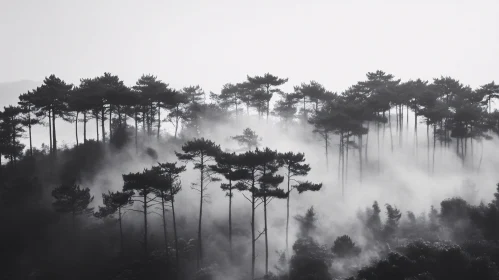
{"points": [[10, 91]]}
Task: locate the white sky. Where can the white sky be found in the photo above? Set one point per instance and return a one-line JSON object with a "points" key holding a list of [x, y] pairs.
{"points": [[214, 42]]}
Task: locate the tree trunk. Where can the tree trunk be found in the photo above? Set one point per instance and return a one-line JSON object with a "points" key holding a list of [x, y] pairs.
{"points": [[346, 161], [50, 131], [253, 256], [200, 245], [97, 125], [110, 123], [175, 229], [287, 210], [360, 158], [391, 134], [54, 137], [84, 127], [230, 218], [145, 224], [342, 145], [144, 123], [136, 132], [266, 235], [176, 121], [367, 142], [434, 148], [268, 105], [159, 121], [165, 236], [416, 131], [76, 128], [428, 146], [103, 117], [379, 168], [29, 131]]}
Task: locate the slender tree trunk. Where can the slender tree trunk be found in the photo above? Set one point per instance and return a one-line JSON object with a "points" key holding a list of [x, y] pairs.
{"points": [[379, 168], [401, 125], [175, 229], [176, 121], [29, 131], [434, 147], [145, 224], [84, 127], [76, 128], [391, 136], [268, 105], [165, 235], [159, 121], [253, 240], [200, 245], [287, 210], [416, 131], [384, 126], [103, 117], [144, 123], [428, 146], [347, 147], [110, 124], [367, 141], [360, 158], [339, 160], [266, 236], [97, 125], [50, 131], [230, 218], [342, 144], [136, 132], [54, 137]]}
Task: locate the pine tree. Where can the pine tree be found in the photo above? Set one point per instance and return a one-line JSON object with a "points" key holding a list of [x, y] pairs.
{"points": [[144, 183], [172, 172], [201, 152], [266, 82], [228, 165], [295, 166], [72, 199], [115, 202]]}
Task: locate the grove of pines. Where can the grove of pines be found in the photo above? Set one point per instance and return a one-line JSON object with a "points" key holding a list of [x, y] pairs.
{"points": [[252, 182]]}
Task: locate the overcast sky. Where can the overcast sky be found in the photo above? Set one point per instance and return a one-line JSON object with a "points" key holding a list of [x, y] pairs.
{"points": [[214, 42]]}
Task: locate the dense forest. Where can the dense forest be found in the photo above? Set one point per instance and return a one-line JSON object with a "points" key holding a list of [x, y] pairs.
{"points": [[249, 183]]}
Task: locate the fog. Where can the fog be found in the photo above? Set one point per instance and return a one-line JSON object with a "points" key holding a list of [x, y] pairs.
{"points": [[403, 181]]}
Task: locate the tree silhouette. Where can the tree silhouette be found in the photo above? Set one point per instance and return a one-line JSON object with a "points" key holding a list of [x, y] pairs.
{"points": [[261, 165], [10, 133], [28, 119], [144, 183], [228, 166], [71, 199], [115, 202], [344, 247], [249, 139], [172, 172], [313, 93], [267, 81], [201, 152], [51, 99], [294, 165]]}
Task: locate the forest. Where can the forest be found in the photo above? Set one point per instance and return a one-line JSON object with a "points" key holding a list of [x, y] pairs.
{"points": [[251, 182]]}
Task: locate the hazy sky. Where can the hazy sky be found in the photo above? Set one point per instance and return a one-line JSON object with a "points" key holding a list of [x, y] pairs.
{"points": [[214, 42]]}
